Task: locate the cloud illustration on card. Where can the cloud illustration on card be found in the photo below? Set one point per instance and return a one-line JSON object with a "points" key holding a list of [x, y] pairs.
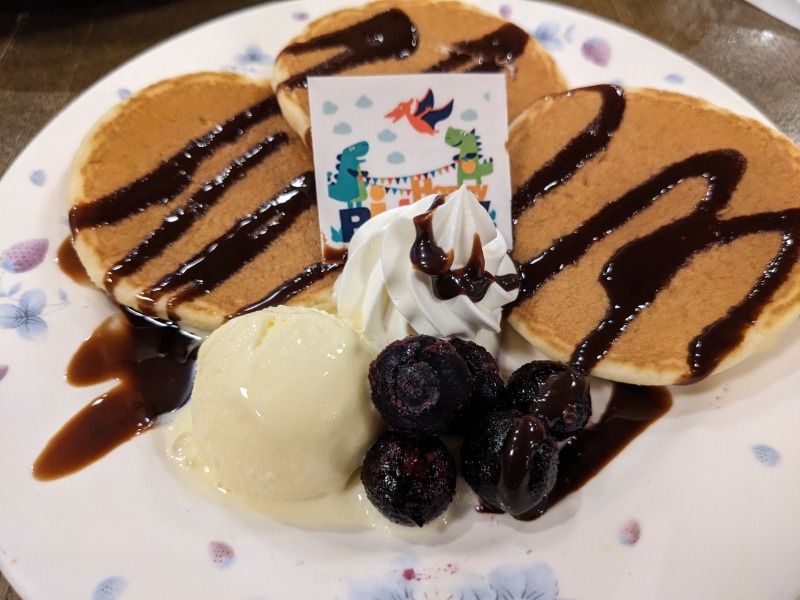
{"points": [[342, 129], [363, 102]]}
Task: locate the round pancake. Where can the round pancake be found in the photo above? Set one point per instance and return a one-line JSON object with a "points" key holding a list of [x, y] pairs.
{"points": [[416, 36], [194, 200], [670, 251]]}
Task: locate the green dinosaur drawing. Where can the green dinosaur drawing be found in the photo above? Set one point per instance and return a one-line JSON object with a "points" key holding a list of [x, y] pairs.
{"points": [[349, 184], [468, 159]]}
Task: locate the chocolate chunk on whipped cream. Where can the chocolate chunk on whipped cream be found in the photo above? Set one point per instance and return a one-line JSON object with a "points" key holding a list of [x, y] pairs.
{"points": [[437, 267]]}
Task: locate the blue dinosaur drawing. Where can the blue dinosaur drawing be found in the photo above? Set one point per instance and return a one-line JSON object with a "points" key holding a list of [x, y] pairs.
{"points": [[348, 185]]}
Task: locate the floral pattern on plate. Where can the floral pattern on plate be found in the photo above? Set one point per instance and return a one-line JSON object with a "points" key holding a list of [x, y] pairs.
{"points": [[22, 310], [295, 564], [528, 582]]}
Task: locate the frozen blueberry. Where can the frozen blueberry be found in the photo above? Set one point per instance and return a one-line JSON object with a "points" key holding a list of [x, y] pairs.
{"points": [[555, 392], [410, 478], [487, 383], [420, 384], [510, 460]]}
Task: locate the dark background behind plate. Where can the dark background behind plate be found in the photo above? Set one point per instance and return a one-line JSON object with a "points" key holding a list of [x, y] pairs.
{"points": [[52, 50]]}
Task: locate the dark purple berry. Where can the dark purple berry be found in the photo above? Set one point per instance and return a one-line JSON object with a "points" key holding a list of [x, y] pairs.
{"points": [[421, 384], [487, 383], [510, 460], [555, 392], [410, 478]]}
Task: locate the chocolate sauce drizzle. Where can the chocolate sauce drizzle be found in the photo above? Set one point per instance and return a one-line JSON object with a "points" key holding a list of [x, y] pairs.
{"points": [[154, 363], [517, 462], [290, 288], [392, 35], [630, 411], [471, 280], [221, 258], [639, 270], [70, 264], [386, 35], [580, 149], [493, 52], [178, 222], [172, 176]]}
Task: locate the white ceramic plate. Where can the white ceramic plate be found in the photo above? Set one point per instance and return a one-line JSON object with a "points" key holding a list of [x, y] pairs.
{"points": [[703, 505]]}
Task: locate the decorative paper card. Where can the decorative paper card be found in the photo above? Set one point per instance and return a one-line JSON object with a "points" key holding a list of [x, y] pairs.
{"points": [[385, 141]]}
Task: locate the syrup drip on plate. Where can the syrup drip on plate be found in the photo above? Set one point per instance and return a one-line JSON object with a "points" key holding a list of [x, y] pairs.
{"points": [[154, 363], [630, 411], [70, 264]]}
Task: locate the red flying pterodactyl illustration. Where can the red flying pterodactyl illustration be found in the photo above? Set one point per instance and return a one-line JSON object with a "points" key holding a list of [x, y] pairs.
{"points": [[424, 117]]}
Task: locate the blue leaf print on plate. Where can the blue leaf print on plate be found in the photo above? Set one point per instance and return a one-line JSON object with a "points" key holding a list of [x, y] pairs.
{"points": [[536, 582], [38, 177], [3, 371], [110, 588], [766, 455], [253, 55], [547, 34], [674, 78], [530, 582]]}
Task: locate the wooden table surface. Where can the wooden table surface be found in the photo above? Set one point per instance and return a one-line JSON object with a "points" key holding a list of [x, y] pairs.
{"points": [[49, 54]]}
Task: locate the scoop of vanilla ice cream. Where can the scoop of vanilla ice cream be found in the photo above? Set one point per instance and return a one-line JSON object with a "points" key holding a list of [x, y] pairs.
{"points": [[280, 408]]}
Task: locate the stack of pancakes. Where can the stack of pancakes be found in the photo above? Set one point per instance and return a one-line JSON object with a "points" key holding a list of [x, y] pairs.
{"points": [[194, 201], [663, 223]]}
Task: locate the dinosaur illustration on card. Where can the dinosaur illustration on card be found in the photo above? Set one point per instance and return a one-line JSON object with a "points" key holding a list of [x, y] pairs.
{"points": [[469, 163], [424, 116], [348, 183]]}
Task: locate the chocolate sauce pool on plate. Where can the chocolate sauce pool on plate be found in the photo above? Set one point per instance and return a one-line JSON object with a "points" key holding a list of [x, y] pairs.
{"points": [[630, 411], [154, 365]]}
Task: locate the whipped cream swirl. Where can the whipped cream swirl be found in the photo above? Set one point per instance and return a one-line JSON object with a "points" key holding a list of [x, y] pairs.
{"points": [[384, 288]]}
